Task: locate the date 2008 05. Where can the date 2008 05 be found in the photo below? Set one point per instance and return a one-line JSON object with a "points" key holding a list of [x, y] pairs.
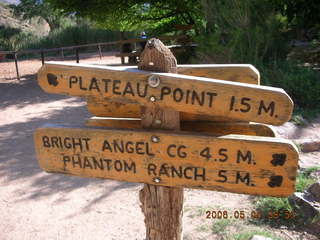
{"points": [[241, 214]]}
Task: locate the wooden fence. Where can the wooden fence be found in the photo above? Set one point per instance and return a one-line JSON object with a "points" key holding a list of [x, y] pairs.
{"points": [[76, 48]]}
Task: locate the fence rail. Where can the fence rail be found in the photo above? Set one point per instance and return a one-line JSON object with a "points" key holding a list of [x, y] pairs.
{"points": [[77, 47]]}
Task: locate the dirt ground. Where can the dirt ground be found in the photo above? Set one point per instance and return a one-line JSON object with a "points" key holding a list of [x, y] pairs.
{"points": [[37, 205]]}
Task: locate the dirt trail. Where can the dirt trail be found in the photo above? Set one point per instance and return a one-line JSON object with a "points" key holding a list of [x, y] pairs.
{"points": [[37, 205]]}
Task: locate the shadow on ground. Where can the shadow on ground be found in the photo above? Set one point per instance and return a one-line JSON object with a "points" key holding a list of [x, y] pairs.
{"points": [[18, 161]]}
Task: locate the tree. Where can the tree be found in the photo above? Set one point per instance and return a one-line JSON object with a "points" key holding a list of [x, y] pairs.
{"points": [[28, 9], [125, 15], [242, 31], [302, 15]]}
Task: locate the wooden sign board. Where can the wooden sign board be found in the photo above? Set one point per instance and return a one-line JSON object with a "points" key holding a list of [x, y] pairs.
{"points": [[214, 128], [102, 108], [243, 73], [241, 164], [196, 95]]}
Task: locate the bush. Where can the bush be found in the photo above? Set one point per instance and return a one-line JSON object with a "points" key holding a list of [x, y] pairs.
{"points": [[255, 32], [269, 207], [14, 39], [248, 31], [304, 179], [72, 35], [301, 83]]}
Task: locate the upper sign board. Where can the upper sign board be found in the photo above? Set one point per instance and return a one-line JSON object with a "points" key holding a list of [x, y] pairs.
{"points": [[196, 95], [244, 73], [233, 163]]}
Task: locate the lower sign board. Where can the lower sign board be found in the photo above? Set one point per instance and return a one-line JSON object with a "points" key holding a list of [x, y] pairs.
{"points": [[232, 163]]}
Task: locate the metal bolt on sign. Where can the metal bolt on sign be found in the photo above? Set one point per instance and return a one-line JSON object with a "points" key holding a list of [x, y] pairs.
{"points": [[154, 81], [155, 139], [153, 99]]}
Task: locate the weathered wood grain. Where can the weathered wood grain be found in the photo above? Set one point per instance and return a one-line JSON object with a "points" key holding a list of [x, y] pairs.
{"points": [[243, 73], [162, 206], [232, 163], [226, 128], [196, 95], [101, 108], [213, 128]]}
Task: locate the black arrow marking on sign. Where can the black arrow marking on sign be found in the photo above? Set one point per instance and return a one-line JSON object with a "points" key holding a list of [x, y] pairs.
{"points": [[278, 159], [275, 181], [52, 79]]}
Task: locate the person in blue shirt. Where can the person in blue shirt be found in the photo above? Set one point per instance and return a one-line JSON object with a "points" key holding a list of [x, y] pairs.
{"points": [[144, 37]]}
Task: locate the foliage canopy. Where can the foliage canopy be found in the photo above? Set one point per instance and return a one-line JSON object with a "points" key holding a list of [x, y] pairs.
{"points": [[28, 9], [126, 15], [300, 13]]}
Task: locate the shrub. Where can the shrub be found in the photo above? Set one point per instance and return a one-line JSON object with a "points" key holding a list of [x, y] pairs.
{"points": [[248, 31], [301, 83], [72, 35], [14, 39]]}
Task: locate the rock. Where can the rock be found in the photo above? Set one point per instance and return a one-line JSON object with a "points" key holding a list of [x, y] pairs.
{"points": [[287, 130], [304, 204], [307, 205], [314, 190], [316, 175], [308, 145], [259, 237]]}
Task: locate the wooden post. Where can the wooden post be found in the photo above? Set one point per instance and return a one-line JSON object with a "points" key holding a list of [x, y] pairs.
{"points": [[42, 56], [77, 55], [162, 206], [121, 38], [62, 53], [16, 63], [100, 53]]}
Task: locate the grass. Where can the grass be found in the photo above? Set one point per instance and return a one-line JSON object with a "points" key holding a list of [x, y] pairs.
{"points": [[304, 180], [216, 227], [271, 206], [229, 229], [301, 83], [203, 228], [274, 211], [220, 226], [299, 120], [198, 211]]}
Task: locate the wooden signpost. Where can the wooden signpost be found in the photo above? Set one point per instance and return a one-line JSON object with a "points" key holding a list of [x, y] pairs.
{"points": [[188, 131]]}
